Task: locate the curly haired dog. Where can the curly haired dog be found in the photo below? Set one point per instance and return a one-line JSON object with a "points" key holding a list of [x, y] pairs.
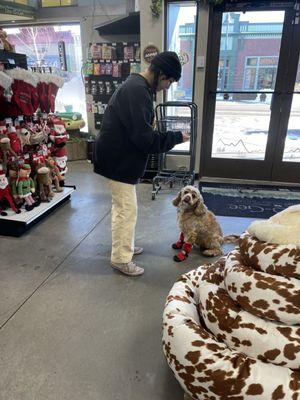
{"points": [[197, 226]]}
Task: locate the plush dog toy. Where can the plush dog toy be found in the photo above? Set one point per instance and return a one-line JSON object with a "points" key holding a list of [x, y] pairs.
{"points": [[197, 225], [44, 183]]}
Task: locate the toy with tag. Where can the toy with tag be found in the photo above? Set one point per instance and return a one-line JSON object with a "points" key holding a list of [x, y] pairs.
{"points": [[25, 187], [57, 179], [44, 183]]}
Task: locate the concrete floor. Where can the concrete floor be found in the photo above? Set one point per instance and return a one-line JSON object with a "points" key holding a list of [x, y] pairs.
{"points": [[71, 328]]}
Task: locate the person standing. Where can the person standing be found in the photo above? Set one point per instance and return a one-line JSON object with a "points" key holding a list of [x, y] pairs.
{"points": [[122, 148]]}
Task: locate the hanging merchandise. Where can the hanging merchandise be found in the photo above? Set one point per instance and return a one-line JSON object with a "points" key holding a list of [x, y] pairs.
{"points": [[88, 68], [97, 68], [24, 100], [110, 65], [96, 52], [128, 53], [47, 89]]}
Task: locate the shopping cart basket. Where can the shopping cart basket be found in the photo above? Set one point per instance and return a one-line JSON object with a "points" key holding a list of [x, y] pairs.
{"points": [[176, 116]]}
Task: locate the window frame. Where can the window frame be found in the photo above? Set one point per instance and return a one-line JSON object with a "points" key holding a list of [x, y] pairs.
{"points": [[257, 68]]}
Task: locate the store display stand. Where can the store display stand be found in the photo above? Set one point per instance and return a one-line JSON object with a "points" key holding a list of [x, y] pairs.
{"points": [[16, 224]]}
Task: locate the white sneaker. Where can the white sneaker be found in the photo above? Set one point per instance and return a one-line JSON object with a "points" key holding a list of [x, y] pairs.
{"points": [[130, 268], [137, 250]]}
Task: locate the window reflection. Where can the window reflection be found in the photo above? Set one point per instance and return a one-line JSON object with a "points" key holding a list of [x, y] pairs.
{"points": [[181, 39]]}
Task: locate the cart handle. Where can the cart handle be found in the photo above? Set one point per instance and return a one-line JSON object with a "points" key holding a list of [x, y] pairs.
{"points": [[178, 103]]}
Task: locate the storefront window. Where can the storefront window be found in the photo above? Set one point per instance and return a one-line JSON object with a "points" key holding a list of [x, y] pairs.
{"points": [[260, 73], [181, 25], [41, 45]]}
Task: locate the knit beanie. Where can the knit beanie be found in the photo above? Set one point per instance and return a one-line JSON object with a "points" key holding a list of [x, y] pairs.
{"points": [[169, 63]]}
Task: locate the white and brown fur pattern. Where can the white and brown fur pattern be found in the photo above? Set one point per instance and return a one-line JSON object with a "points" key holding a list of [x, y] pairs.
{"points": [[198, 225], [231, 331]]}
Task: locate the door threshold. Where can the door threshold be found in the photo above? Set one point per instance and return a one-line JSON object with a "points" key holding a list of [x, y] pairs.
{"points": [[210, 179]]}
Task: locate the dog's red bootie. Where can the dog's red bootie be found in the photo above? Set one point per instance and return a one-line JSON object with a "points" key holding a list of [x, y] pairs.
{"points": [[184, 253], [179, 243]]}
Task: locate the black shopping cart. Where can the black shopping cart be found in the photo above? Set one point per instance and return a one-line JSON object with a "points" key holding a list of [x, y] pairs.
{"points": [[176, 116]]}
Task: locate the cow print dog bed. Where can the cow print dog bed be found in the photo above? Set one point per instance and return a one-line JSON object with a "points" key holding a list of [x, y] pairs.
{"points": [[231, 329]]}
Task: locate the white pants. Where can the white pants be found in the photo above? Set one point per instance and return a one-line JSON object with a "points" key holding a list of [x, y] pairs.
{"points": [[123, 220]]}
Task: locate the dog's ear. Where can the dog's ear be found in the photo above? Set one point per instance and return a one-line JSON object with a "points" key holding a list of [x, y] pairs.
{"points": [[200, 208], [177, 199]]}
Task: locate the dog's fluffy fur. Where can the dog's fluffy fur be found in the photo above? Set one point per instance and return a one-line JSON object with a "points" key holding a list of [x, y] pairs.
{"points": [[199, 225]]}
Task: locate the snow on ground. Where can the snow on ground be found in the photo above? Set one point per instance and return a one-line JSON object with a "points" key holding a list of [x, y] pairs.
{"points": [[241, 130]]}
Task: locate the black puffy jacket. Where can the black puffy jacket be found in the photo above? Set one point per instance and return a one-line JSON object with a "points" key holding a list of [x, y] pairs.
{"points": [[127, 138]]}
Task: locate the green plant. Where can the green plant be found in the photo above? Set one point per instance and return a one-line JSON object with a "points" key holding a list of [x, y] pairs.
{"points": [[156, 8]]}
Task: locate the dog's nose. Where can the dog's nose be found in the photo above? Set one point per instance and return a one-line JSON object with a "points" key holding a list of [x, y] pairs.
{"points": [[187, 199]]}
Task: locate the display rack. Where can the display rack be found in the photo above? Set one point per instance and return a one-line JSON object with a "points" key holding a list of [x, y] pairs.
{"points": [[16, 224], [108, 66]]}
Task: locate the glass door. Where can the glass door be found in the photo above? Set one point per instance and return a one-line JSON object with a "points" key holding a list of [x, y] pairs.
{"points": [[247, 87], [286, 166], [181, 22]]}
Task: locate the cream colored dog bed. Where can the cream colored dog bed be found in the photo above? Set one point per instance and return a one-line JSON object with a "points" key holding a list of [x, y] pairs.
{"points": [[282, 228]]}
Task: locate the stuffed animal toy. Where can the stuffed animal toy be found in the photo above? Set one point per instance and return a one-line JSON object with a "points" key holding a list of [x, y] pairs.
{"points": [[44, 183], [3, 129], [38, 134], [24, 136], [5, 195], [6, 151], [13, 174], [3, 40], [58, 137], [25, 187], [15, 141], [60, 157], [55, 174]]}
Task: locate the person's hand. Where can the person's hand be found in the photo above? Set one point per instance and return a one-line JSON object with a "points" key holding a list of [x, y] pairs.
{"points": [[185, 136]]}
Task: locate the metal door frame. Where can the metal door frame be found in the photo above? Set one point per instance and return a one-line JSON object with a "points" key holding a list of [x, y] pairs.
{"points": [[271, 168]]}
